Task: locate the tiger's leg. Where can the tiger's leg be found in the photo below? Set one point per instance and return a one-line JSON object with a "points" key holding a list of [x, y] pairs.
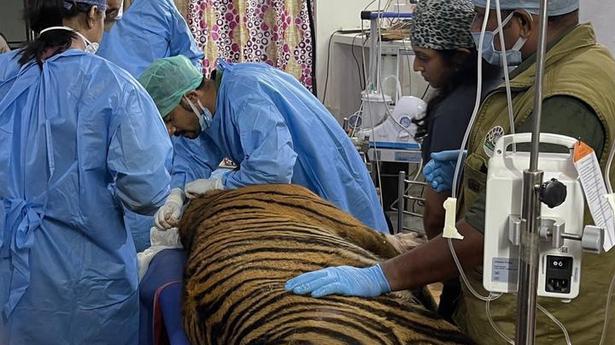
{"points": [[406, 241]]}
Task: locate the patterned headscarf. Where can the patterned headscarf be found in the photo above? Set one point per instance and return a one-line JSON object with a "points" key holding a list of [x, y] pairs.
{"points": [[443, 24]]}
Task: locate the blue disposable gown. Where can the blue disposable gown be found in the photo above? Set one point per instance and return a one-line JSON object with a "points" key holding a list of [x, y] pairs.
{"points": [[79, 141], [149, 30], [278, 132]]}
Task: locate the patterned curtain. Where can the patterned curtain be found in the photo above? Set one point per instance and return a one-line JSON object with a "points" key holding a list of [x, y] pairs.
{"points": [[278, 32]]}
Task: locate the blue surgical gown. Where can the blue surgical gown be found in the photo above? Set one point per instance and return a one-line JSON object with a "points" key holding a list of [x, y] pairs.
{"points": [[276, 131], [149, 30], [79, 141]]}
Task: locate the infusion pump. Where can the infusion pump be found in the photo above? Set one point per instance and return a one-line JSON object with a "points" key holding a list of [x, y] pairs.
{"points": [[562, 234]]}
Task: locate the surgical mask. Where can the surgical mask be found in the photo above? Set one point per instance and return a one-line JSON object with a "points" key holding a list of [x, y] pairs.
{"points": [[204, 116], [495, 57], [90, 47]]}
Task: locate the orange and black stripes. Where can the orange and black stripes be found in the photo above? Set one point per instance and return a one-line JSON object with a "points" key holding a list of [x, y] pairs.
{"points": [[243, 246]]}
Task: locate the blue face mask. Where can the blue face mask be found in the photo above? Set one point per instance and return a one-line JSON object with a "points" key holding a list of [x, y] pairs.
{"points": [[205, 117], [495, 57]]}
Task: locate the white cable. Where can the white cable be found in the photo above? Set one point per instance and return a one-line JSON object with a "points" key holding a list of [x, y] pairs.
{"points": [[418, 172], [387, 110], [479, 85], [557, 322], [511, 118], [542, 309], [462, 273], [460, 157], [494, 326], [479, 88], [358, 116], [606, 309], [607, 170], [491, 296]]}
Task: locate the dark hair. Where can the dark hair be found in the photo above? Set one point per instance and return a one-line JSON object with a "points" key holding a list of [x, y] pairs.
{"points": [[462, 70], [42, 14]]}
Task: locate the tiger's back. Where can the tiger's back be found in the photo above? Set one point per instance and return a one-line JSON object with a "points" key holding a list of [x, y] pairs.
{"points": [[243, 246]]}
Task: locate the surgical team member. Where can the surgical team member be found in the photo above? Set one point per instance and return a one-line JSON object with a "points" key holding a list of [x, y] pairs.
{"points": [[79, 140], [447, 61], [272, 127], [579, 89], [149, 30]]}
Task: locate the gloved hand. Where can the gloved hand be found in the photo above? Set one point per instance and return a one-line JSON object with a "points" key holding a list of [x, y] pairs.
{"points": [[341, 280], [199, 187], [170, 213], [440, 170]]}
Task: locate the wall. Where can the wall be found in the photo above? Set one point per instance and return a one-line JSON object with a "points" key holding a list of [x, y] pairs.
{"points": [[343, 85], [11, 21], [601, 14], [331, 15]]}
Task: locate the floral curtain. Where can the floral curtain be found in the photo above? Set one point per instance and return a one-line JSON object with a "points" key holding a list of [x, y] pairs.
{"points": [[278, 32]]}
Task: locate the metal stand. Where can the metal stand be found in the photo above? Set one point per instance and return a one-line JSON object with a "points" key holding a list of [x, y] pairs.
{"points": [[402, 197], [375, 41], [532, 179]]}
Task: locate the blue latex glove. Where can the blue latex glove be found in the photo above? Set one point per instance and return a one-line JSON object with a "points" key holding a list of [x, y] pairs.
{"points": [[341, 280], [440, 170]]}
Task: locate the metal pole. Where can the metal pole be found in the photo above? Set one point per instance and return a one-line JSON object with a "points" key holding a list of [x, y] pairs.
{"points": [[401, 201], [528, 259], [540, 67], [373, 52], [532, 178]]}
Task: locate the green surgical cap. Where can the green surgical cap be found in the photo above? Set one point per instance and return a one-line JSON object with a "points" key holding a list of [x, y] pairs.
{"points": [[168, 80]]}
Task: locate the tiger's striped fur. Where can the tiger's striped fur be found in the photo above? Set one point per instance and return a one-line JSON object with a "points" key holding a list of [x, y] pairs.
{"points": [[243, 245]]}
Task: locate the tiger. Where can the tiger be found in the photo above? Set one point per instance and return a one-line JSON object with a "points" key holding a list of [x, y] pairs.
{"points": [[243, 245]]}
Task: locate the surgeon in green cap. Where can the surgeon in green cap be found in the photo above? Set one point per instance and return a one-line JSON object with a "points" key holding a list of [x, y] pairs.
{"points": [[168, 91], [266, 122]]}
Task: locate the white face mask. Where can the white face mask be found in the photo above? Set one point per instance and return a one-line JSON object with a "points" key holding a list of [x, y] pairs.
{"points": [[493, 56], [204, 116], [90, 47]]}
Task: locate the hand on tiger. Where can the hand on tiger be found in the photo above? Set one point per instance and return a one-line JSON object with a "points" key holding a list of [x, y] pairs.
{"points": [[170, 213], [440, 170], [341, 280], [199, 187]]}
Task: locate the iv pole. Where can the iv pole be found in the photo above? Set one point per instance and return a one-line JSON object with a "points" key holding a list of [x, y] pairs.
{"points": [[532, 179]]}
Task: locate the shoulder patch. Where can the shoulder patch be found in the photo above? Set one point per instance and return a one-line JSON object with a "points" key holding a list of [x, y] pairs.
{"points": [[492, 136]]}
